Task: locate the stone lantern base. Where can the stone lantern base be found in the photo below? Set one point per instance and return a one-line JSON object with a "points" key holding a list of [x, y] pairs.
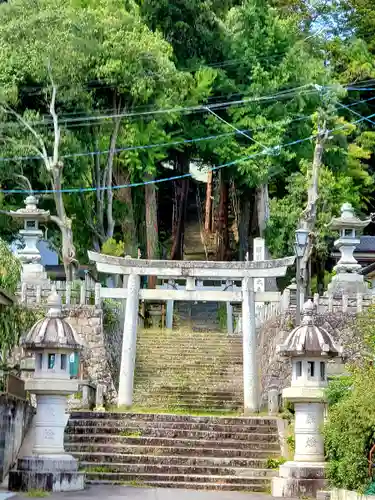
{"points": [[297, 479], [47, 473]]}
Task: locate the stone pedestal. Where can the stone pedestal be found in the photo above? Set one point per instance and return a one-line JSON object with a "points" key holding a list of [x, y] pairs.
{"points": [[53, 473], [298, 479], [349, 284]]}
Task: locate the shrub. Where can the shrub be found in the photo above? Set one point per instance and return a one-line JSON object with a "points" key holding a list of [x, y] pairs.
{"points": [[350, 430], [338, 388]]}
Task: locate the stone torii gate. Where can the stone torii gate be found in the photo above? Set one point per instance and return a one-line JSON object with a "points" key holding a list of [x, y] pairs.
{"points": [[133, 269]]}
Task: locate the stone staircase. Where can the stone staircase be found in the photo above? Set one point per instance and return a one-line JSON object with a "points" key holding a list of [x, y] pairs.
{"points": [[162, 450], [199, 317], [190, 371]]}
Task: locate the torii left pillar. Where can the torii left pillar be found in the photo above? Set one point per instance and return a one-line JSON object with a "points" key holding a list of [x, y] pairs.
{"points": [[129, 341]]}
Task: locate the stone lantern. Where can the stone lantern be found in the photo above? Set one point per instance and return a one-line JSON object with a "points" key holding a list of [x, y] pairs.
{"points": [[31, 215], [309, 348], [48, 467], [347, 279]]}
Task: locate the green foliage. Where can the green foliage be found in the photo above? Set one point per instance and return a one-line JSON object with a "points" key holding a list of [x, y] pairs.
{"points": [[365, 323], [222, 316], [350, 432], [274, 463], [112, 247], [15, 321], [338, 388], [10, 269], [350, 429]]}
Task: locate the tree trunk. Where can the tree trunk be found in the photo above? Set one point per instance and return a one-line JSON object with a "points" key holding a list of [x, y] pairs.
{"points": [[263, 208], [65, 224], [181, 190], [152, 235], [127, 221], [208, 210], [223, 250], [243, 227]]}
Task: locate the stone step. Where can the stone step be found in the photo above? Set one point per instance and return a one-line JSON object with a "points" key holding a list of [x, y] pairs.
{"points": [[189, 400], [166, 389], [170, 417], [123, 441], [109, 453], [186, 478], [165, 468], [102, 459], [105, 432], [113, 426], [248, 487]]}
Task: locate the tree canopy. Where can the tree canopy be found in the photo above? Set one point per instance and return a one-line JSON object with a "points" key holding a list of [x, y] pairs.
{"points": [[141, 90]]}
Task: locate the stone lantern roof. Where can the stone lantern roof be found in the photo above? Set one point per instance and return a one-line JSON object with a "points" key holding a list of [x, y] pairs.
{"points": [[53, 331], [309, 340], [31, 210], [348, 219]]}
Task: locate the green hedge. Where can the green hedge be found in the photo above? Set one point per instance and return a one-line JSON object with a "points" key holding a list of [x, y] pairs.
{"points": [[350, 429]]}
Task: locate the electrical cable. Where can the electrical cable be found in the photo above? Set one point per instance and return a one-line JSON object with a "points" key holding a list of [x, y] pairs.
{"points": [[266, 151], [151, 146], [168, 144]]}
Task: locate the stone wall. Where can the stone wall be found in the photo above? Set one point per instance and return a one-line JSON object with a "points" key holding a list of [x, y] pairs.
{"points": [[101, 355], [15, 419], [276, 370]]}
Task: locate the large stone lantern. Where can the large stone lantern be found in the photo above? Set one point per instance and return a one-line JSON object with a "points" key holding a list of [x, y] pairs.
{"points": [[52, 340], [31, 215], [347, 279], [309, 348]]}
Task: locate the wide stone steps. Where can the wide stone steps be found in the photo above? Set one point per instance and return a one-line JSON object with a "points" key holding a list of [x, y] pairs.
{"points": [[115, 477], [120, 441], [110, 434], [166, 450], [97, 453], [257, 465], [117, 426], [187, 370], [191, 470], [126, 417]]}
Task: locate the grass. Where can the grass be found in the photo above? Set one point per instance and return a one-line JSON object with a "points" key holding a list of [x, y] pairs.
{"points": [[131, 434], [274, 463], [37, 493]]}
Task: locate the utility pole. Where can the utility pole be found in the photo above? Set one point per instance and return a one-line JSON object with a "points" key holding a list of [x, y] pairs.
{"points": [[309, 215]]}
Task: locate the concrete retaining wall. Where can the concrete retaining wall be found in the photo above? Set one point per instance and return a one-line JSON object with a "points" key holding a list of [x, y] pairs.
{"points": [[15, 419]]}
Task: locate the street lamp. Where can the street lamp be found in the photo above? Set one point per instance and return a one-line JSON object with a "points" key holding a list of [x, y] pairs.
{"points": [[301, 237]]}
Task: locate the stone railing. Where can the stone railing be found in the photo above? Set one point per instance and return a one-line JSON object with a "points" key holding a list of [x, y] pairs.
{"points": [[75, 293], [329, 303]]}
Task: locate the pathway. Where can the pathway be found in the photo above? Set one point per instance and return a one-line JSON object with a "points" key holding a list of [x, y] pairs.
{"points": [[129, 493]]}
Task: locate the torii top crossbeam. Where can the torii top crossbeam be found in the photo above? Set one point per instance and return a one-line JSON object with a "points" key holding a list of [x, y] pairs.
{"points": [[184, 268]]}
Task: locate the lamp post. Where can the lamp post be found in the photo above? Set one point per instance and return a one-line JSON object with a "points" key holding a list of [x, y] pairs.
{"points": [[301, 236]]}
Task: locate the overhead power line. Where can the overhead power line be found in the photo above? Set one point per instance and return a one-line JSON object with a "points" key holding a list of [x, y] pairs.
{"points": [[266, 151], [174, 143], [184, 109]]}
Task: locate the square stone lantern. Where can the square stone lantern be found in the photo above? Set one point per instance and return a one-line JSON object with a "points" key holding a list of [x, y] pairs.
{"points": [[51, 340], [31, 215], [309, 348], [347, 279]]}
